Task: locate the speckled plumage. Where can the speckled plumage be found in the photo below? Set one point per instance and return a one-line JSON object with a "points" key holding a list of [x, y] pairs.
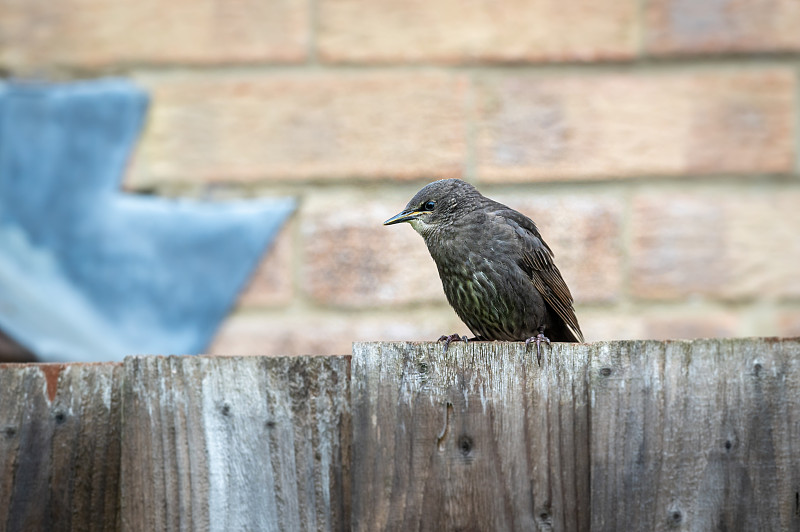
{"points": [[496, 270]]}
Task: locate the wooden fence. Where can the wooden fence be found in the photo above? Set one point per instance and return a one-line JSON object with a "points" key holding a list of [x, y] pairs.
{"points": [[701, 435]]}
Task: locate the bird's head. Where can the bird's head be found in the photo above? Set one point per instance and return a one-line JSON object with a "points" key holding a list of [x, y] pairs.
{"points": [[436, 205]]}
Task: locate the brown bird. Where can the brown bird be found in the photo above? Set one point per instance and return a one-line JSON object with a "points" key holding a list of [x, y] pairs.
{"points": [[496, 270]]}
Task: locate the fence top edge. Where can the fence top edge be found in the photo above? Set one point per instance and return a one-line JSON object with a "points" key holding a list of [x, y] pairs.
{"points": [[56, 365], [9, 366], [741, 340], [368, 345]]}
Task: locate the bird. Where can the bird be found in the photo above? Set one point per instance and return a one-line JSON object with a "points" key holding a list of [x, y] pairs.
{"points": [[497, 271]]}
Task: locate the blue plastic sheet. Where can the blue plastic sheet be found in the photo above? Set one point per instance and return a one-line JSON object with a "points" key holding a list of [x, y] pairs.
{"points": [[89, 273]]}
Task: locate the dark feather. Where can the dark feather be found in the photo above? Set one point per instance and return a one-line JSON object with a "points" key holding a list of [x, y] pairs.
{"points": [[537, 261]]}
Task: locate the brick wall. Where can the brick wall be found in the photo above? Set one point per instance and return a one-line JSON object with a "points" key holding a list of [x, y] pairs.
{"points": [[654, 142]]}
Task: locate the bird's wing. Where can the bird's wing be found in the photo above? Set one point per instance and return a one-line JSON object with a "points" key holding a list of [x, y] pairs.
{"points": [[537, 260]]}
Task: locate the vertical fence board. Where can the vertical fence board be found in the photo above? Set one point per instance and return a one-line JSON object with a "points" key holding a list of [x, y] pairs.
{"points": [[479, 438], [59, 447], [699, 435], [214, 443]]}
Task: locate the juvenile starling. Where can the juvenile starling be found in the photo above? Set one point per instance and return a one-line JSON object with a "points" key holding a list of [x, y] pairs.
{"points": [[497, 271]]}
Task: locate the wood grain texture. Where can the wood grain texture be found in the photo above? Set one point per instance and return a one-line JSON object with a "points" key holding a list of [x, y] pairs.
{"points": [[59, 447], [641, 435], [217, 443], [479, 438], [701, 435]]}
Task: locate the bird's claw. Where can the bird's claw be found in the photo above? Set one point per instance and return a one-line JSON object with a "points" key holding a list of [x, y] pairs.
{"points": [[539, 338], [451, 338]]}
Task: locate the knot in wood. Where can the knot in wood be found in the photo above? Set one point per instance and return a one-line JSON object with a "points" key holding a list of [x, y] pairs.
{"points": [[465, 444]]}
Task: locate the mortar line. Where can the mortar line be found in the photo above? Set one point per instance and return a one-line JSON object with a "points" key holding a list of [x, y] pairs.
{"points": [[312, 47], [626, 246], [382, 186], [643, 65], [641, 33], [796, 108], [472, 113]]}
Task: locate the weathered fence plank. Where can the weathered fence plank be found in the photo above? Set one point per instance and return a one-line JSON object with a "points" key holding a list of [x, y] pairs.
{"points": [[479, 438], [701, 435], [698, 435], [213, 443], [59, 447]]}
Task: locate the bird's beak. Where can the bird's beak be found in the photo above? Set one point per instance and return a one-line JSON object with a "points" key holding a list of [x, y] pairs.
{"points": [[405, 216]]}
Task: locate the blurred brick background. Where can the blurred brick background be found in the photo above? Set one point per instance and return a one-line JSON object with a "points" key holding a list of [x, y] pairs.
{"points": [[653, 141]]}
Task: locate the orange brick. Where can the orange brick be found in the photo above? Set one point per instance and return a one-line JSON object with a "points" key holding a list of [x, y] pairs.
{"points": [[789, 323], [97, 33], [691, 325], [628, 125], [584, 233], [271, 283], [678, 247], [732, 244], [687, 26], [352, 260], [604, 325], [303, 126], [325, 334], [686, 323], [454, 31]]}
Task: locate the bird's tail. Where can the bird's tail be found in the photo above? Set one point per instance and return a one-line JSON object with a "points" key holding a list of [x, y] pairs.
{"points": [[561, 332]]}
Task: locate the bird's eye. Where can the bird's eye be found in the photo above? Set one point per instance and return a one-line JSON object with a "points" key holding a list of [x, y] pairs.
{"points": [[429, 205]]}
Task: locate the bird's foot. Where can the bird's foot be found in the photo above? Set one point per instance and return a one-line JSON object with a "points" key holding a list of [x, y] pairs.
{"points": [[539, 338], [451, 338]]}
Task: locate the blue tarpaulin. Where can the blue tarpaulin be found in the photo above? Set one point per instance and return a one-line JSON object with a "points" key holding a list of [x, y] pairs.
{"points": [[90, 273]]}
